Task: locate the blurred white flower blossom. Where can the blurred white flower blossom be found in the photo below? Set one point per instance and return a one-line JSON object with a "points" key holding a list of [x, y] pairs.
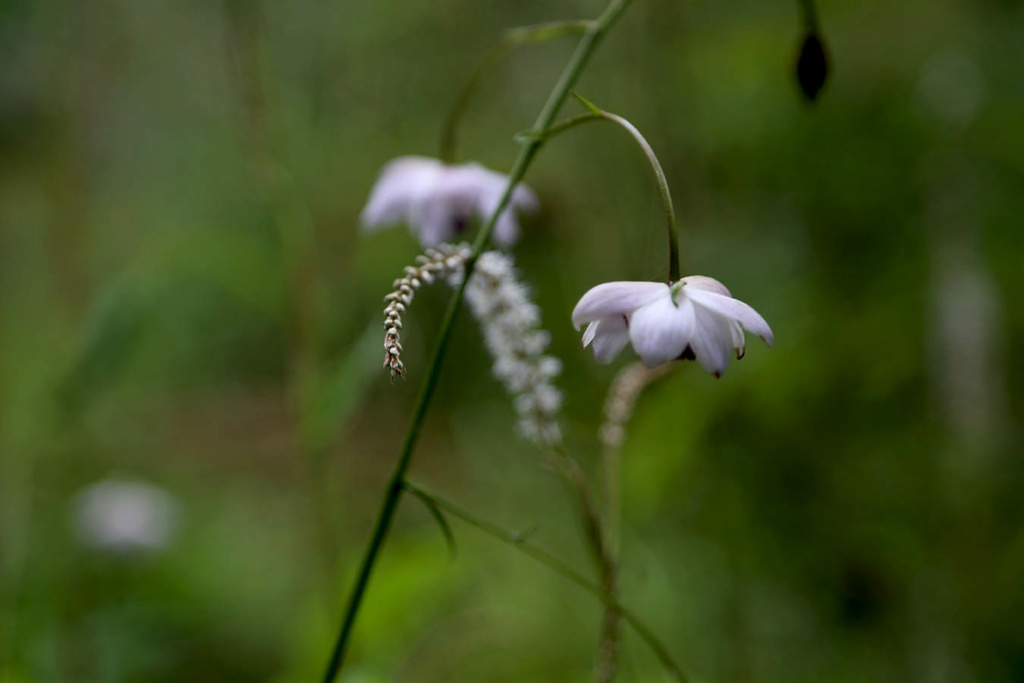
{"points": [[511, 329], [694, 318], [621, 401], [439, 201], [125, 517]]}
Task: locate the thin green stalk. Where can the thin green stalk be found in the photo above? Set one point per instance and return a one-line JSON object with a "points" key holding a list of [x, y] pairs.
{"points": [[510, 40], [576, 480], [591, 38], [619, 405], [596, 114], [595, 533], [552, 562]]}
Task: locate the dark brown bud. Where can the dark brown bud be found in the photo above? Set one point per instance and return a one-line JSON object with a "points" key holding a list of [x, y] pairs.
{"points": [[812, 66]]}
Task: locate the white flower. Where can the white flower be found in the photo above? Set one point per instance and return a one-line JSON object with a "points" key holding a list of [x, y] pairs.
{"points": [[694, 318], [125, 516], [439, 202]]}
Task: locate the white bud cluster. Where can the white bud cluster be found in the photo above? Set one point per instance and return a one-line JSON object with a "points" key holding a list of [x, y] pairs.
{"points": [[435, 263], [510, 322], [621, 401]]}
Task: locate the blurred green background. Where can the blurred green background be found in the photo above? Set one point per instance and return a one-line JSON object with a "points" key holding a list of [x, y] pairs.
{"points": [[185, 301]]}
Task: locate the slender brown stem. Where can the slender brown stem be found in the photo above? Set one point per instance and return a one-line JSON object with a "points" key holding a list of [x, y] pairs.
{"points": [[619, 405]]}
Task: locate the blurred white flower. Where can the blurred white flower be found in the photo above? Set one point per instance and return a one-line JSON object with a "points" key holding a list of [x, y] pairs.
{"points": [[694, 318], [125, 516], [510, 322], [440, 202]]}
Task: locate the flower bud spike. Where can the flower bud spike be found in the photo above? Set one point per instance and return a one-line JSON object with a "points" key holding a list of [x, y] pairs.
{"points": [[445, 259]]}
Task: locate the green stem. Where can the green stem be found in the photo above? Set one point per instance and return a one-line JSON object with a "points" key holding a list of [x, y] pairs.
{"points": [[510, 40], [595, 535], [596, 114], [591, 38], [552, 562]]}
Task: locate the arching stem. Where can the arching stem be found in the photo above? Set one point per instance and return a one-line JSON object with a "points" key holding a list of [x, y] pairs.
{"points": [[596, 114]]}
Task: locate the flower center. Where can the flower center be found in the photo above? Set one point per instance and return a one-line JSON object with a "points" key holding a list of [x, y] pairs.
{"points": [[460, 223]]}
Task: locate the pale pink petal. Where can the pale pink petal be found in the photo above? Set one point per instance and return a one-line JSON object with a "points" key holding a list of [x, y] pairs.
{"points": [[611, 337], [433, 221], [705, 283], [613, 299], [524, 199], [733, 309], [739, 341], [450, 211], [489, 187], [506, 230], [588, 334], [661, 330], [401, 185], [712, 342], [493, 184]]}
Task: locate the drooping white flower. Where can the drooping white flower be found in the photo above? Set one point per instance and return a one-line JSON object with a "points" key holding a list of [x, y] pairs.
{"points": [[694, 318], [125, 516], [440, 202]]}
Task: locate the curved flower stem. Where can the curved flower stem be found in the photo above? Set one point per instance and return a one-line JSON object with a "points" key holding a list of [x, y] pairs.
{"points": [[619, 406], [510, 40], [591, 38], [597, 114], [552, 562]]}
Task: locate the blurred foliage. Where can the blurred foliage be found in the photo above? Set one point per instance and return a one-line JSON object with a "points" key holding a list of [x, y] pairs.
{"points": [[186, 300]]}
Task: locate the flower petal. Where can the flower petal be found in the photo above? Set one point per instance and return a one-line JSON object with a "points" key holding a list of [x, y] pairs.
{"points": [[611, 337], [712, 340], [432, 221], [402, 183], [506, 230], [613, 299], [489, 187], [739, 341], [492, 185], [734, 309], [705, 283], [661, 330], [524, 199], [590, 332]]}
